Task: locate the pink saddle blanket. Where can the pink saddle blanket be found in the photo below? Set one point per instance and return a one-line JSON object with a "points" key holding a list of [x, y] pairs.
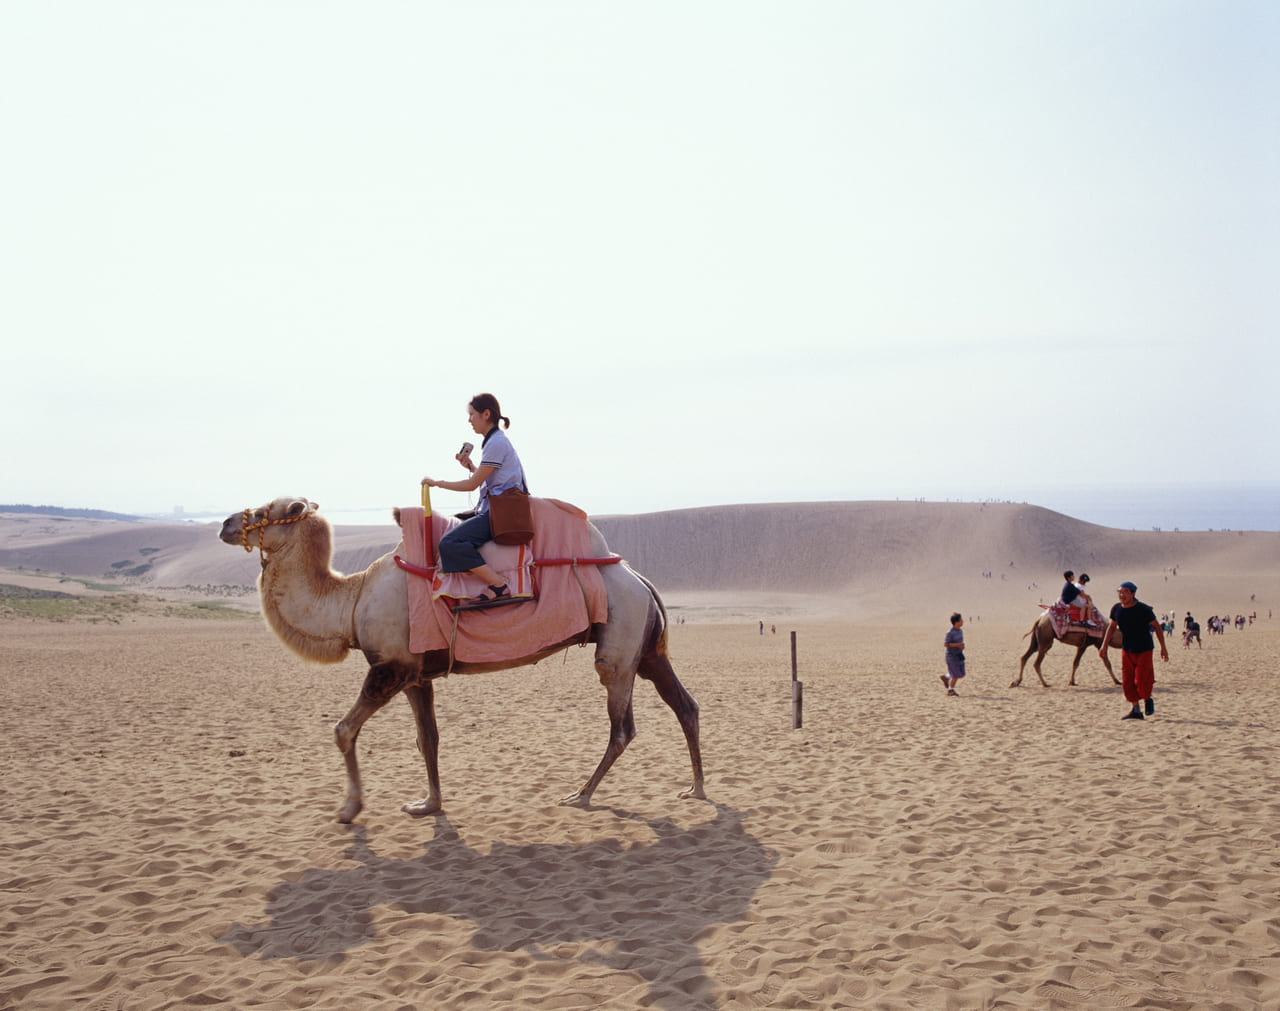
{"points": [[568, 600]]}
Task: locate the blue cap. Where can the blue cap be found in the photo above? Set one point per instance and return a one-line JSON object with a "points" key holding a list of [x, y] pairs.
{"points": [[1126, 585]]}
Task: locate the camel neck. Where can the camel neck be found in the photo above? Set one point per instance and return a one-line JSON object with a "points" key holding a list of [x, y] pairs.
{"points": [[311, 609]]}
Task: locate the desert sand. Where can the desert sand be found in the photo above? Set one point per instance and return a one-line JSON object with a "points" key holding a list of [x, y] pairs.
{"points": [[171, 782]]}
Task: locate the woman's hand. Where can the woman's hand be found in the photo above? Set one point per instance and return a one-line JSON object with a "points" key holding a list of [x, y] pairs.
{"points": [[478, 477]]}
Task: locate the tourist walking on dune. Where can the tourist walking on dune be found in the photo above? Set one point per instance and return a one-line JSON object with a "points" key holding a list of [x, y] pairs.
{"points": [[954, 643], [1136, 622]]}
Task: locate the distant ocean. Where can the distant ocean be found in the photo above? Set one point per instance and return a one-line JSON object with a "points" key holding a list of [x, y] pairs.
{"points": [[1164, 507], [1168, 507]]}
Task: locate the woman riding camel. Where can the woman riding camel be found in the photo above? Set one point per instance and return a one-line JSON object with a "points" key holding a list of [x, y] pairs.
{"points": [[499, 470]]}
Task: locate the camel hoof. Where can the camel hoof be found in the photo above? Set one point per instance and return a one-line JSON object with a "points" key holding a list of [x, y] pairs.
{"points": [[1016, 684], [347, 813], [694, 792], [578, 799], [425, 806]]}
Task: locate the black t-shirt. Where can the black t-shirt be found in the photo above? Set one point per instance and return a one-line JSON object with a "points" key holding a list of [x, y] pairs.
{"points": [[1069, 592], [1135, 626]]}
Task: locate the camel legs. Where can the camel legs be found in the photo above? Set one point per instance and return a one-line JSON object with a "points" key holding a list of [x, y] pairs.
{"points": [[1106, 660], [422, 699], [1080, 650], [653, 666], [1035, 664], [1022, 663], [381, 684], [1076, 662], [622, 729], [657, 668], [1039, 651]]}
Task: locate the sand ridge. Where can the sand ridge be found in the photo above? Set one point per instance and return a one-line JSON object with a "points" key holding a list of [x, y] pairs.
{"points": [[896, 561]]}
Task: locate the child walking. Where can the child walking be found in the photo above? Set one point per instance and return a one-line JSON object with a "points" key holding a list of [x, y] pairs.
{"points": [[954, 642]]}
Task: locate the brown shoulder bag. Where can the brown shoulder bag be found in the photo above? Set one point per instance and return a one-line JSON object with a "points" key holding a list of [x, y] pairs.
{"points": [[510, 518]]}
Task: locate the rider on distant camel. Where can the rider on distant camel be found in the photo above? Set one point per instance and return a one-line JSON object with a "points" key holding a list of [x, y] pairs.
{"points": [[1078, 603], [1069, 589]]}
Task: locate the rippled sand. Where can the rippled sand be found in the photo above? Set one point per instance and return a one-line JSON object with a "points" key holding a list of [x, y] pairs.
{"points": [[170, 786]]}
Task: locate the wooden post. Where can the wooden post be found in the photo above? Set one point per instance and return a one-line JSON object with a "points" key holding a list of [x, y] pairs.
{"points": [[797, 691]]}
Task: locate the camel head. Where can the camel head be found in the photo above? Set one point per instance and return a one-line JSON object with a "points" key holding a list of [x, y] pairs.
{"points": [[263, 527]]}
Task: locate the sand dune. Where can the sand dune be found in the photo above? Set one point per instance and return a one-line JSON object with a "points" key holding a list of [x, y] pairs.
{"points": [[888, 560], [898, 560], [171, 783]]}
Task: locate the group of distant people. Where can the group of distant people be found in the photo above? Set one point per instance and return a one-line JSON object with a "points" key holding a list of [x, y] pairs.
{"points": [[1218, 625], [1191, 630]]}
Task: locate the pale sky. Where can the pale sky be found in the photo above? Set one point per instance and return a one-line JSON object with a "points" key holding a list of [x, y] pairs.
{"points": [[703, 253]]}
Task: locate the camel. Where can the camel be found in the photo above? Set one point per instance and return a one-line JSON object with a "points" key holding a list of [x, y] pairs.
{"points": [[321, 615], [1043, 636]]}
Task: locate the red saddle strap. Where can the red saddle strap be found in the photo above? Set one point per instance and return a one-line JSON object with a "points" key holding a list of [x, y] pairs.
{"points": [[430, 571]]}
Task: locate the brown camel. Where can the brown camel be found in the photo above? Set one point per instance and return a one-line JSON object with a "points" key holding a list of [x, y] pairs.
{"points": [[1043, 636], [321, 615]]}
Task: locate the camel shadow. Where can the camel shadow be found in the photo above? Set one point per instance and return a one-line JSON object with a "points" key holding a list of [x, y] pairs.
{"points": [[639, 908]]}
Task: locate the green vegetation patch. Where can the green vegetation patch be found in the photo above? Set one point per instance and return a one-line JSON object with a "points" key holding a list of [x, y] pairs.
{"points": [[53, 605], [90, 584], [10, 592], [63, 607], [207, 609], [121, 570]]}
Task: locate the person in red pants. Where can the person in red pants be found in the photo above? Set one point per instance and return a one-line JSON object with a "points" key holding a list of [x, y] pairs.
{"points": [[1136, 622]]}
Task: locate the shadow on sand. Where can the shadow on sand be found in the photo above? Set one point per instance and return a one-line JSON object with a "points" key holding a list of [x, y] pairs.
{"points": [[640, 908]]}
